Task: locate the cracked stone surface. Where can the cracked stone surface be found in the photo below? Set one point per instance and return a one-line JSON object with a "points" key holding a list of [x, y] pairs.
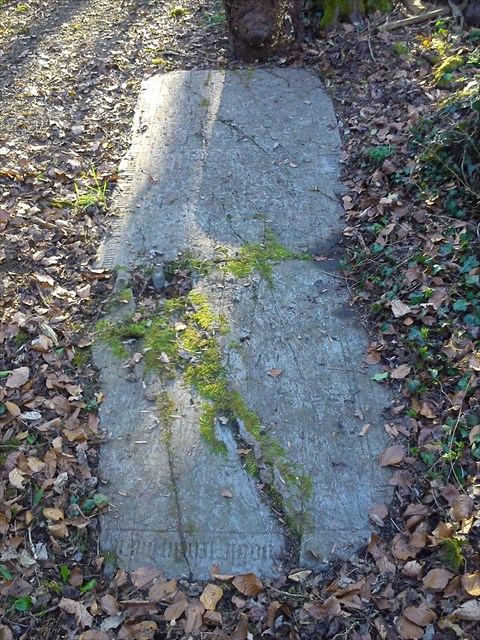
{"points": [[216, 159]]}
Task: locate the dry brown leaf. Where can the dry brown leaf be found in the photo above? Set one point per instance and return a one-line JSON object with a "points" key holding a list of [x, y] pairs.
{"points": [[76, 577], [407, 629], [109, 604], [16, 478], [437, 579], [142, 631], [176, 609], [53, 514], [400, 372], [412, 569], [18, 377], [12, 408], [426, 411], [5, 633], [83, 292], [213, 618], [162, 590], [379, 511], [249, 584], [273, 609], [210, 596], [318, 611], [400, 309], [374, 357], [3, 524], [194, 614], [471, 583], [274, 373], [421, 616], [392, 455], [241, 630], [94, 634], [300, 576], [77, 609], [469, 610], [36, 465], [225, 493], [461, 508], [59, 530], [144, 575]]}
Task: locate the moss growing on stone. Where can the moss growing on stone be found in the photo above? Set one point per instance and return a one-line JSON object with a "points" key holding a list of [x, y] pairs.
{"points": [[259, 257]]}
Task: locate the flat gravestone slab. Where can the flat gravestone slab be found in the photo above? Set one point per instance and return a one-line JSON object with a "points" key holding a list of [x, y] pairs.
{"points": [[222, 159]]}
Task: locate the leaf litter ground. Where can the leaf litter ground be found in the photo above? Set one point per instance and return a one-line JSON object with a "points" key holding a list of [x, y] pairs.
{"points": [[69, 79]]}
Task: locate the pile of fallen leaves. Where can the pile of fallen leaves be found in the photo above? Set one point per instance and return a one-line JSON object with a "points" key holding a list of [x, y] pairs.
{"points": [[69, 78]]}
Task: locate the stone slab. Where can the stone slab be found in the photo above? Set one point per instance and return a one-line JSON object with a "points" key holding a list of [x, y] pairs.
{"points": [[217, 158]]}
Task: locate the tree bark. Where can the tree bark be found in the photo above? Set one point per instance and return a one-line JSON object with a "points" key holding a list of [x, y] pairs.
{"points": [[263, 28]]}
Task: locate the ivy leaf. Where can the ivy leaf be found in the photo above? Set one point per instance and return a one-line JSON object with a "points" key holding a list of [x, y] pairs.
{"points": [[100, 499], [6, 574], [89, 586], [460, 305], [38, 496], [378, 377], [23, 604]]}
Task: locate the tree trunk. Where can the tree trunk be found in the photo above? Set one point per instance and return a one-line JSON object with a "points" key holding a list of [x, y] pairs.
{"points": [[263, 28]]}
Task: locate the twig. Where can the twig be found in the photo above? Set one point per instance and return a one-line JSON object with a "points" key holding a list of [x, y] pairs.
{"points": [[422, 17]]}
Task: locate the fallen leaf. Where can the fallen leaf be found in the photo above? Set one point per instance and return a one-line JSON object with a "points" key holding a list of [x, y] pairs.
{"points": [[461, 508], [421, 616], [162, 590], [408, 630], [274, 373], [300, 576], [426, 411], [76, 577], [471, 583], [176, 609], [12, 408], [392, 455], [241, 630], [59, 530], [400, 309], [213, 618], [400, 372], [194, 613], [16, 478], [378, 513], [318, 611], [144, 575], [18, 378], [249, 584], [412, 569], [83, 292], [53, 514], [210, 596], [109, 604], [94, 634], [364, 430], [141, 631], [5, 633], [469, 610], [437, 579], [77, 609]]}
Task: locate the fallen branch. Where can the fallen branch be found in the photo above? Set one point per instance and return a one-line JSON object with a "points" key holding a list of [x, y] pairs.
{"points": [[422, 17]]}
